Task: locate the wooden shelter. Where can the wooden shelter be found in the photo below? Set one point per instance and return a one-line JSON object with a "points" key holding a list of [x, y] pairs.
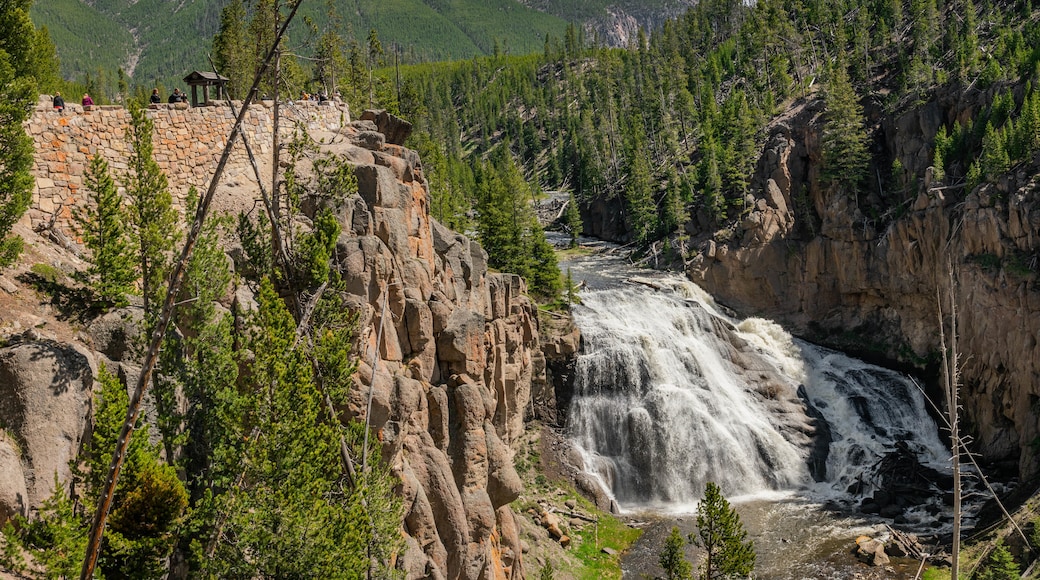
{"points": [[206, 80]]}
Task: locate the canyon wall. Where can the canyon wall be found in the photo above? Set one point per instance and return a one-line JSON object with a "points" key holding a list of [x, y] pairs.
{"points": [[823, 263]]}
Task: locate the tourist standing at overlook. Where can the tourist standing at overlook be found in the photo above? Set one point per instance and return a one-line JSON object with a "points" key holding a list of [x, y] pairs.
{"points": [[155, 98], [59, 103], [87, 101]]}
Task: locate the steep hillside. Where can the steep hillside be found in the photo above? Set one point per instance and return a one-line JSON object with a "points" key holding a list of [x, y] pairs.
{"points": [[159, 42]]}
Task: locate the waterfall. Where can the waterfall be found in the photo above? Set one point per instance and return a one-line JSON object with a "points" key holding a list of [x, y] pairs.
{"points": [[671, 393]]}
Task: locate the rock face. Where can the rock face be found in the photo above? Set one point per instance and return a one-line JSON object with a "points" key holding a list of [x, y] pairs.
{"points": [[456, 351], [808, 257], [619, 24], [45, 395]]}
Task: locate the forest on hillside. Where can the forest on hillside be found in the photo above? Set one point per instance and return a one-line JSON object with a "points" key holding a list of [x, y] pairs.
{"points": [[668, 130], [155, 43]]}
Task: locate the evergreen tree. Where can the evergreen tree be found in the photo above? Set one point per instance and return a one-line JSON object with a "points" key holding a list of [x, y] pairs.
{"points": [[994, 160], [113, 271], [722, 535], [1000, 565], [292, 516], [18, 92], [57, 539], [149, 499], [572, 217], [231, 49], [197, 373], [330, 63], [151, 211], [673, 557], [844, 139]]}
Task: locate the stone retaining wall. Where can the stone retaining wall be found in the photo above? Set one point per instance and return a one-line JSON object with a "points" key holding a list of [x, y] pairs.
{"points": [[188, 144]]}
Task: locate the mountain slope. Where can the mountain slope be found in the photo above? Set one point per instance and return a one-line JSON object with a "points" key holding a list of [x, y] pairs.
{"points": [[162, 40]]}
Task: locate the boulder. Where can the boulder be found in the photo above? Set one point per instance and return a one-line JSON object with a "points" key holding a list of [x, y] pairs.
{"points": [[379, 188], [393, 127], [371, 140], [551, 522], [504, 484], [461, 344], [14, 497], [114, 333], [871, 551], [45, 400]]}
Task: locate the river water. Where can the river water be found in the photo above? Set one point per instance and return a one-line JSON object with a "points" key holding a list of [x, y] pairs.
{"points": [[672, 391]]}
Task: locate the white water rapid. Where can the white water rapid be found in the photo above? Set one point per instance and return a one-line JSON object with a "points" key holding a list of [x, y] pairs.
{"points": [[671, 393]]}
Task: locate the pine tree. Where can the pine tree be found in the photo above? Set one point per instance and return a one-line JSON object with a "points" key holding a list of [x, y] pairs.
{"points": [[572, 217], [200, 366], [18, 92], [151, 211], [994, 160], [639, 191], [1000, 565], [231, 53], [844, 139], [722, 535], [293, 516], [149, 499], [331, 64], [673, 557], [113, 271], [57, 538]]}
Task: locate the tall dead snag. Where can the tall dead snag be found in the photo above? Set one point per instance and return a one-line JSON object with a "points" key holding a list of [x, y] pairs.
{"points": [[951, 383]]}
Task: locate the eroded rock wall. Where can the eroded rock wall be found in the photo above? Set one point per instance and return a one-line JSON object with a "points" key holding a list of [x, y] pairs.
{"points": [[455, 349], [808, 256]]}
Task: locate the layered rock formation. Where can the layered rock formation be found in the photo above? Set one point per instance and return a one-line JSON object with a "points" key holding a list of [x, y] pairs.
{"points": [[809, 257], [456, 348]]}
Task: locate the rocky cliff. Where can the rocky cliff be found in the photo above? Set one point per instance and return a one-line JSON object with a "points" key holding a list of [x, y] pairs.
{"points": [[832, 269], [455, 350]]}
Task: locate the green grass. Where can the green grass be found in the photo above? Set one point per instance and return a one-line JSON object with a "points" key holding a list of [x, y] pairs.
{"points": [[48, 273], [610, 532], [585, 558]]}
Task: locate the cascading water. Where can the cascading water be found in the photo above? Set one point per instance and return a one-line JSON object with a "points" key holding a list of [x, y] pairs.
{"points": [[671, 393]]}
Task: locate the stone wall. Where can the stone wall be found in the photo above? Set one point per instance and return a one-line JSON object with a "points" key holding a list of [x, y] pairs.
{"points": [[188, 144]]}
